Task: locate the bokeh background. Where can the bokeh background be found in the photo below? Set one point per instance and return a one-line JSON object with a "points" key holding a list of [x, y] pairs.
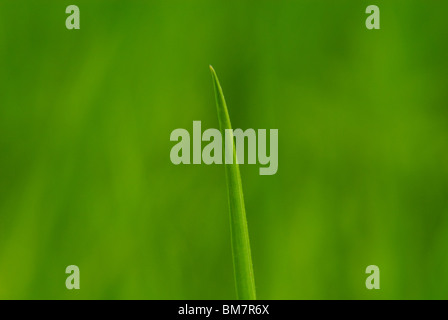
{"points": [[86, 177]]}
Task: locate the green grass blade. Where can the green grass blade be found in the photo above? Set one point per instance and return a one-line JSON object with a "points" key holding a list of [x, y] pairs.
{"points": [[242, 260]]}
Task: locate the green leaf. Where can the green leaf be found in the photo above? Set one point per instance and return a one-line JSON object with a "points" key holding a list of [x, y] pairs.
{"points": [[242, 260]]}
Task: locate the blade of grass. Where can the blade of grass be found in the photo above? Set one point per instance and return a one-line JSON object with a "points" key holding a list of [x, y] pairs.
{"points": [[242, 259]]}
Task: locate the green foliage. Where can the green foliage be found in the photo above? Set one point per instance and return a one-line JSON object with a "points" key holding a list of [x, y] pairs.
{"points": [[85, 174], [242, 259]]}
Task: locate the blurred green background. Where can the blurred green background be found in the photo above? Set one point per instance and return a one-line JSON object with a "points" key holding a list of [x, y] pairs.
{"points": [[86, 176]]}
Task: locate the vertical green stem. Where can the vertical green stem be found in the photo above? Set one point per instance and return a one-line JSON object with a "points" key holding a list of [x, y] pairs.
{"points": [[242, 259]]}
